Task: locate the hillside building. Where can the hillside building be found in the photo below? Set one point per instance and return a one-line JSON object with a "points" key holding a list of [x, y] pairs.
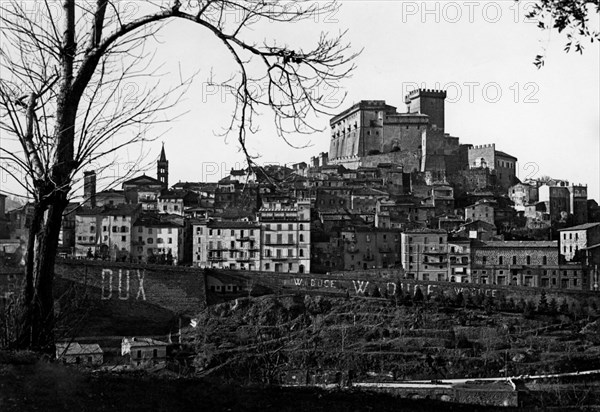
{"points": [[226, 245], [285, 237], [424, 254], [574, 239]]}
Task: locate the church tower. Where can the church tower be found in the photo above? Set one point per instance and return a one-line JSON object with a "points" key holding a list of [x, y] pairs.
{"points": [[162, 173]]}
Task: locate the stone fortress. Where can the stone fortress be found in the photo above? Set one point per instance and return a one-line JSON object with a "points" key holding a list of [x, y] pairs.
{"points": [[372, 132]]}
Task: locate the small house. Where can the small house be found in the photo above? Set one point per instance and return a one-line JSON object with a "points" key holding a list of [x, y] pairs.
{"points": [[144, 350], [80, 353]]}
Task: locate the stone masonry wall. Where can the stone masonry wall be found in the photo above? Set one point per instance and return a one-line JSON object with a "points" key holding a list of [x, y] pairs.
{"points": [[177, 289]]}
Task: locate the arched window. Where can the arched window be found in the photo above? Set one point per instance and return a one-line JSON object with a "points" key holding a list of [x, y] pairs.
{"points": [[301, 253], [301, 226], [301, 269], [301, 238]]}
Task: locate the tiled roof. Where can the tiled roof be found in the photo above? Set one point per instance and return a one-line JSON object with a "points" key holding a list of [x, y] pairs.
{"points": [[584, 226], [74, 348], [121, 210], [503, 154], [233, 225], [520, 243]]}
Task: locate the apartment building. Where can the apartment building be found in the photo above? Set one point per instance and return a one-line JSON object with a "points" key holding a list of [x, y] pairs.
{"points": [[285, 242]]}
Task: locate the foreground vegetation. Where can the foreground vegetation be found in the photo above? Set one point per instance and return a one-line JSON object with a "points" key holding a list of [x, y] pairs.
{"points": [[28, 384]]}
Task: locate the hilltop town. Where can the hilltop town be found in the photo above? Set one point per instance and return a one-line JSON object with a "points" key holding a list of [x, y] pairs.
{"points": [[394, 191]]}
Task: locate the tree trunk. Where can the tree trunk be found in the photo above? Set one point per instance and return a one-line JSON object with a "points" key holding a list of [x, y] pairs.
{"points": [[38, 305]]}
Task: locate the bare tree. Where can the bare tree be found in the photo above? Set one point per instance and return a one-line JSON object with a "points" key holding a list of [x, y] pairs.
{"points": [[568, 17], [63, 106]]}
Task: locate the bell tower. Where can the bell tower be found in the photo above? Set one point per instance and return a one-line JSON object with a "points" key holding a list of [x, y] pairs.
{"points": [[162, 168]]}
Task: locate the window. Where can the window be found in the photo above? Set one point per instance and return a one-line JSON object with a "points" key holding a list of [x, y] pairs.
{"points": [[500, 260], [140, 229], [290, 239], [301, 238], [290, 226], [529, 260], [514, 260], [170, 240], [544, 260], [268, 238], [149, 230], [267, 266], [232, 234], [92, 229], [150, 241], [301, 226], [123, 238], [290, 252], [484, 260], [159, 240], [301, 253]]}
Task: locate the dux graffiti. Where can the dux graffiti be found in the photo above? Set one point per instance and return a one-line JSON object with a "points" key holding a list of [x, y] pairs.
{"points": [[122, 288], [362, 286]]}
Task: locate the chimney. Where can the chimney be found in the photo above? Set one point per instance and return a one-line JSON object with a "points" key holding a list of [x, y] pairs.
{"points": [[89, 189]]}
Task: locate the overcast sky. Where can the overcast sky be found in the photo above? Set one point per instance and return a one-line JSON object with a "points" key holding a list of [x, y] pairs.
{"points": [[481, 52]]}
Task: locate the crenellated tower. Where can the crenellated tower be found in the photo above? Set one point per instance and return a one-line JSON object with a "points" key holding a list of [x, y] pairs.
{"points": [[429, 102]]}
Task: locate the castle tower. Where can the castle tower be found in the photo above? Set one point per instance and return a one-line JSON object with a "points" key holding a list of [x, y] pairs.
{"points": [[89, 189], [429, 102], [162, 173]]}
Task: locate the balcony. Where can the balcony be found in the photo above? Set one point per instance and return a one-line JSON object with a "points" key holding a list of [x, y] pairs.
{"points": [[216, 259], [280, 244], [435, 262], [434, 250], [280, 257]]}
